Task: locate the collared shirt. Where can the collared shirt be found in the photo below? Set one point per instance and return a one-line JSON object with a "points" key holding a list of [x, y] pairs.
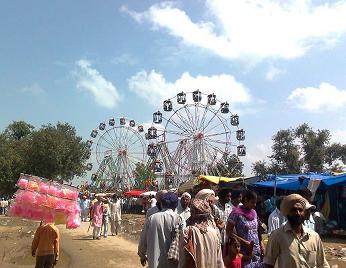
{"points": [[222, 212], [310, 223], [295, 252], [183, 213], [275, 220]]}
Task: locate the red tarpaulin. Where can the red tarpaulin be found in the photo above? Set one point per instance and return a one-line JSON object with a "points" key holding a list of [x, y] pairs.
{"points": [[134, 193]]}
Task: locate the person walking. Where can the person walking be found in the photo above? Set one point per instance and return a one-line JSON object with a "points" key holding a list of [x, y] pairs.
{"points": [[243, 224], [293, 245], [157, 234], [96, 217], [115, 215], [199, 242], [45, 246], [84, 206]]}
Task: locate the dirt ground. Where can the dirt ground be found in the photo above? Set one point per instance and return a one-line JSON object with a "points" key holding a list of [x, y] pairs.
{"points": [[79, 250]]}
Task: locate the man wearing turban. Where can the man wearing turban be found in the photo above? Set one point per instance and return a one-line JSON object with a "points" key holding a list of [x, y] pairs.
{"points": [[293, 245]]}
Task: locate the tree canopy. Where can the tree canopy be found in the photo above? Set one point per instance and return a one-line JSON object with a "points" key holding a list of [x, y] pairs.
{"points": [[53, 152], [302, 149]]}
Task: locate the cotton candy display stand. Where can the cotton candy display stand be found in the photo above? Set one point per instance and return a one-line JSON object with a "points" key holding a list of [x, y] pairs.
{"points": [[40, 199]]}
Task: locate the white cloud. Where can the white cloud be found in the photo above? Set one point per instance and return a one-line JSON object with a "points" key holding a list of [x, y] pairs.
{"points": [[154, 88], [259, 152], [34, 89], [256, 29], [273, 73], [90, 80], [325, 97]]}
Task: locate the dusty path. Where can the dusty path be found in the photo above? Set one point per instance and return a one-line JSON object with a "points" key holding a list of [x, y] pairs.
{"points": [[113, 251], [78, 248]]}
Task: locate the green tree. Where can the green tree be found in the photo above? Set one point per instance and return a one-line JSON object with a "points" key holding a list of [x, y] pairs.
{"points": [[11, 161], [285, 153], [18, 130], [261, 169], [314, 145], [56, 152], [142, 174]]}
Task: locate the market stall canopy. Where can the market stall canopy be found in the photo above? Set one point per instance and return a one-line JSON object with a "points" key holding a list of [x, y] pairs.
{"points": [[333, 181], [292, 182], [134, 193], [188, 185], [148, 193], [217, 179]]}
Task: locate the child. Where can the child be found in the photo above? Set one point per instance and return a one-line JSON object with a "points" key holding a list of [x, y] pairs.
{"points": [[234, 257]]}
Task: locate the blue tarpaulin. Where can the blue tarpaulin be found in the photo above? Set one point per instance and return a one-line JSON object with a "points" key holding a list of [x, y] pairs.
{"points": [[333, 181], [292, 183]]}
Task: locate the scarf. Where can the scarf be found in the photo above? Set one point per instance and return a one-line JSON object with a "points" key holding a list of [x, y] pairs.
{"points": [[249, 214]]}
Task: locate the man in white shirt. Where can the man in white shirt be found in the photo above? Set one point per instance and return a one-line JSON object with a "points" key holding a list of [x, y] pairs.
{"points": [[157, 234], [183, 208], [309, 219], [276, 219]]}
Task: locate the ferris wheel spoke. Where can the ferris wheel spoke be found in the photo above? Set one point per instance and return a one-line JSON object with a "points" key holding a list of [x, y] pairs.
{"points": [[211, 119], [190, 116], [217, 134], [116, 135], [215, 147], [172, 121], [219, 125], [107, 141], [113, 142], [177, 133], [185, 122], [127, 135], [204, 116], [218, 141], [175, 141], [197, 116]]}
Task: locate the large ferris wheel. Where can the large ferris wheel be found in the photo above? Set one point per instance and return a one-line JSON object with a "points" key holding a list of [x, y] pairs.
{"points": [[192, 136], [116, 148]]}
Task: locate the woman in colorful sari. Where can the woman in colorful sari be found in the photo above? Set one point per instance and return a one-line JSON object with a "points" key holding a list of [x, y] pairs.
{"points": [[243, 223]]}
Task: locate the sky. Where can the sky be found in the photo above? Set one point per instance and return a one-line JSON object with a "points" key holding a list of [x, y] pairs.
{"points": [[278, 63]]}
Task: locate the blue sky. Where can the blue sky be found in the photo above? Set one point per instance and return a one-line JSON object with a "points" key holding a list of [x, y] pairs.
{"points": [[279, 63]]}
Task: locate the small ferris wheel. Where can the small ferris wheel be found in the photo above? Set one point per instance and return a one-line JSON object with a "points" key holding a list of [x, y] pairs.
{"points": [[116, 148], [192, 135]]}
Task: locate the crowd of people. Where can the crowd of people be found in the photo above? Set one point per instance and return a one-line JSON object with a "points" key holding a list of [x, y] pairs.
{"points": [[207, 230], [224, 230]]}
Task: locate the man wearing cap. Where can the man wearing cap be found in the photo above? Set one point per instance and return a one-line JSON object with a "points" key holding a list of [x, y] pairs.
{"points": [[293, 245]]}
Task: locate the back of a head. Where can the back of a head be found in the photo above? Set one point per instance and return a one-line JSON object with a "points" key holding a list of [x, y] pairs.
{"points": [[169, 200], [249, 195]]}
